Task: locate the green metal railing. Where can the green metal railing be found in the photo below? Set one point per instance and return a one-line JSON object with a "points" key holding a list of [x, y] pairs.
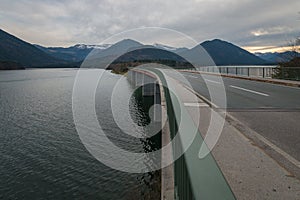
{"points": [[195, 178]]}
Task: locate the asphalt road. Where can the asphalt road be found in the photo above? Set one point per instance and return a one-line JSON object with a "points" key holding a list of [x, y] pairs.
{"points": [[244, 94], [269, 109]]}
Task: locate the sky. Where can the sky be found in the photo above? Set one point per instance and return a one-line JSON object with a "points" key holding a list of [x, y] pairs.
{"points": [[257, 25]]}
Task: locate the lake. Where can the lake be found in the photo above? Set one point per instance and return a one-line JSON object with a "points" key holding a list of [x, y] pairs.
{"points": [[42, 156]]}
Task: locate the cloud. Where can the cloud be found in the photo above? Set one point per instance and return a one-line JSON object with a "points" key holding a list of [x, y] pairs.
{"points": [[65, 22], [272, 31]]}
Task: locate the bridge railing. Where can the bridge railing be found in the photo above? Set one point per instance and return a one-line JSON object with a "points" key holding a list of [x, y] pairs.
{"points": [[194, 178], [272, 72]]}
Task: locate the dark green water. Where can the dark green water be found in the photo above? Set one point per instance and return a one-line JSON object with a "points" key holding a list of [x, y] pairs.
{"points": [[41, 155]]}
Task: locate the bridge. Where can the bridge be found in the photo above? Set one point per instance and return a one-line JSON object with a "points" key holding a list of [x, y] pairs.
{"points": [[257, 154]]}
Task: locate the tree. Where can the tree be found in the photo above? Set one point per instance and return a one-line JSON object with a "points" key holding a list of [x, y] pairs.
{"points": [[290, 69], [295, 47]]}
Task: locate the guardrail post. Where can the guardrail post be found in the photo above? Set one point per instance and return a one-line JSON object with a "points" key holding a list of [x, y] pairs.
{"points": [[263, 72], [236, 71], [248, 71]]}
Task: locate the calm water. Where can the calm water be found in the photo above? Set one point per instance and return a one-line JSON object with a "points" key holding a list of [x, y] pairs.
{"points": [[41, 154]]}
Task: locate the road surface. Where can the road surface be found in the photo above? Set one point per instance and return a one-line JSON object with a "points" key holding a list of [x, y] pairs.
{"points": [[271, 110]]}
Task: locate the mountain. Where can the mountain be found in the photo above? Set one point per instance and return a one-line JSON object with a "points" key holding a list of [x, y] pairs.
{"points": [[169, 48], [150, 54], [121, 47], [15, 50], [95, 53], [146, 55], [222, 53], [75, 53], [16, 53], [164, 47], [100, 58], [92, 46], [276, 57]]}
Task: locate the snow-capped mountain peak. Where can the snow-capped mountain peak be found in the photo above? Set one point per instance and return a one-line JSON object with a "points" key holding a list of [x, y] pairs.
{"points": [[84, 46], [165, 47]]}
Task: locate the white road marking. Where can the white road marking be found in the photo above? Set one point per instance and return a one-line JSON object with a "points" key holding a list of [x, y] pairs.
{"points": [[196, 105], [247, 90], [193, 76], [212, 81]]}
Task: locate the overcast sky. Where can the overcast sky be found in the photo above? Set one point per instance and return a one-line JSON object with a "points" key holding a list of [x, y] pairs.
{"points": [[257, 23]]}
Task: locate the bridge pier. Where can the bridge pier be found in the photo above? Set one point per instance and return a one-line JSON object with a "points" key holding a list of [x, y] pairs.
{"points": [[139, 79], [142, 80], [148, 85], [150, 88]]}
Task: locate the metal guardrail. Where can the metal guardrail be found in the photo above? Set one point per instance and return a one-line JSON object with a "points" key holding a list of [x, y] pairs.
{"points": [[273, 72], [195, 178]]}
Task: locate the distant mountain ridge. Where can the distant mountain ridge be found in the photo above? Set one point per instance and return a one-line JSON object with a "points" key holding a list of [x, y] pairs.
{"points": [[13, 49], [148, 54], [74, 53], [92, 46], [100, 58], [276, 57], [212, 52], [71, 54], [225, 53], [221, 52]]}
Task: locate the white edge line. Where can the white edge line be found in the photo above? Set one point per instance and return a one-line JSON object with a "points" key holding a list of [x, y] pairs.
{"points": [[212, 81], [196, 104], [247, 90]]}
